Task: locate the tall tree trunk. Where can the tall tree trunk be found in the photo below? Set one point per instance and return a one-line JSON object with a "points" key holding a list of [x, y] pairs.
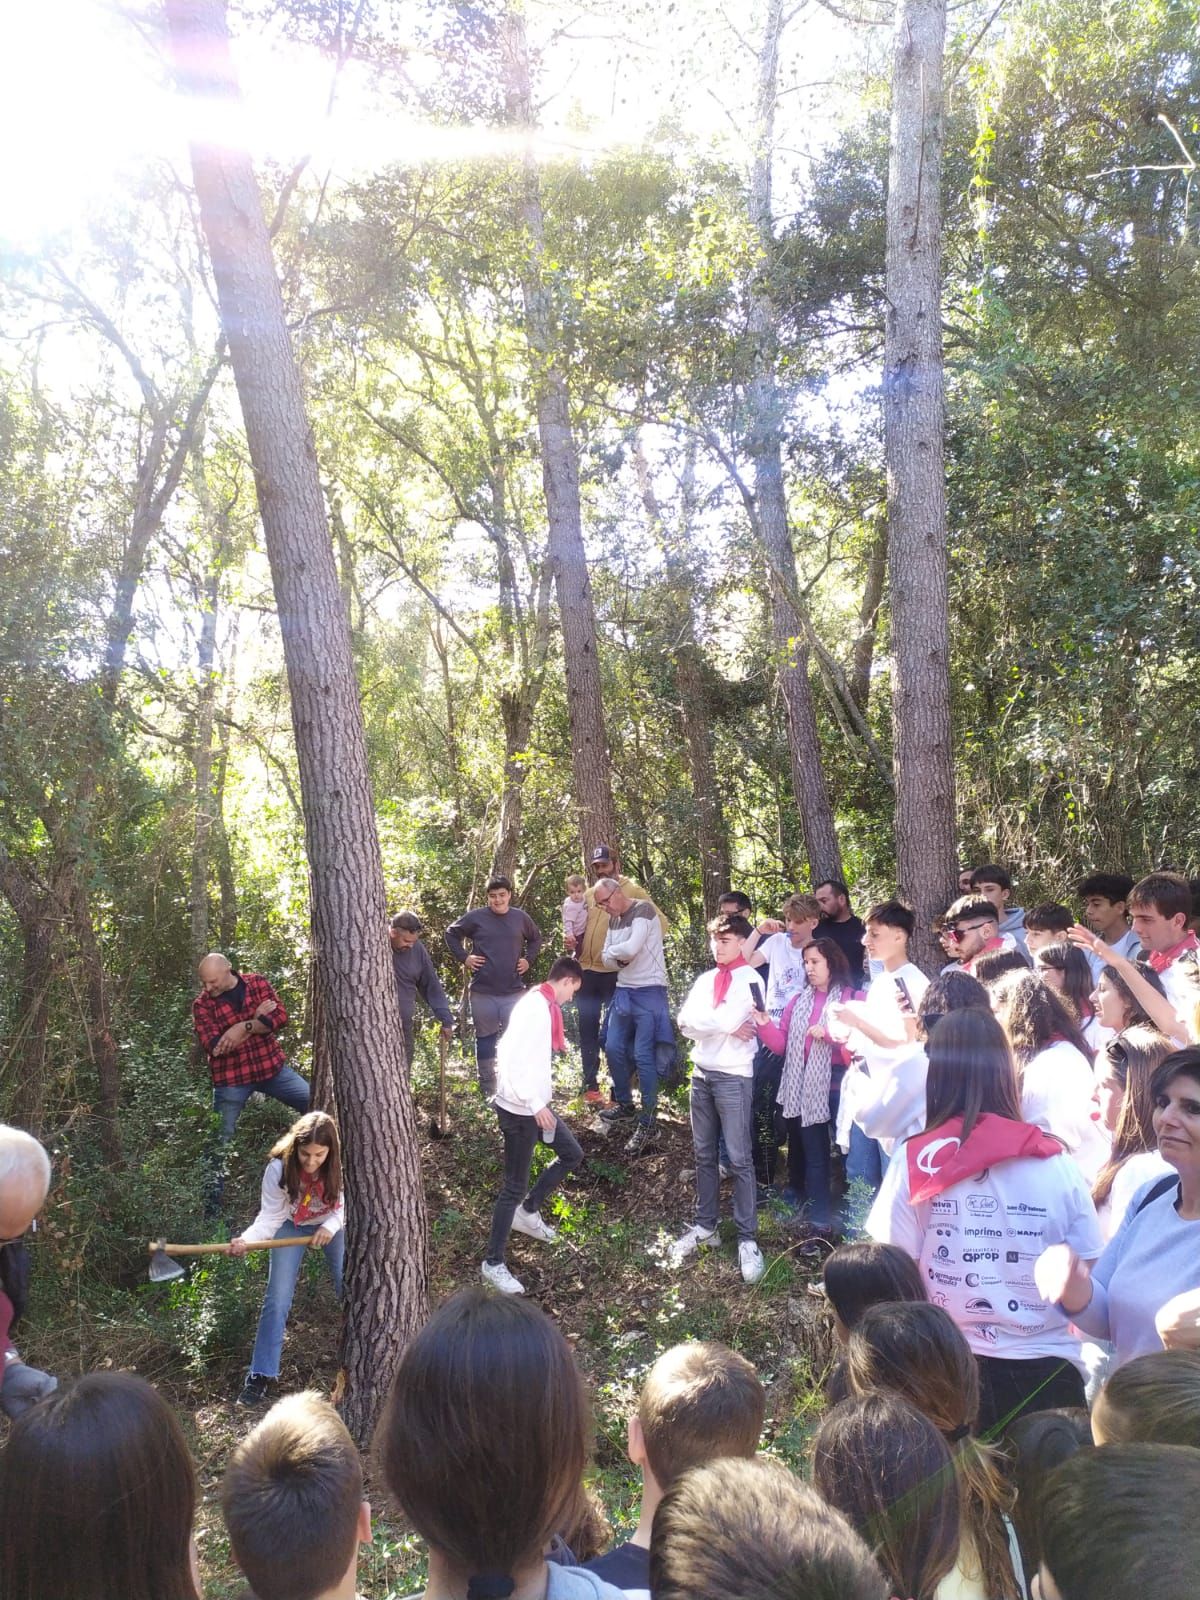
{"points": [[25, 1055], [914, 442], [590, 764], [386, 1276], [204, 817], [712, 836], [863, 656], [516, 709], [102, 1046], [765, 449]]}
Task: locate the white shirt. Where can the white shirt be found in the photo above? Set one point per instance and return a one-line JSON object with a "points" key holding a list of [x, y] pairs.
{"points": [[882, 1006], [977, 1242], [524, 1057], [1139, 1172], [275, 1207], [890, 1105], [711, 1026], [785, 972], [1056, 1095]]}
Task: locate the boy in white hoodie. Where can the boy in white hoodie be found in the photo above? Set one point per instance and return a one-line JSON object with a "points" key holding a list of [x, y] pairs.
{"points": [[524, 1088], [718, 1017]]}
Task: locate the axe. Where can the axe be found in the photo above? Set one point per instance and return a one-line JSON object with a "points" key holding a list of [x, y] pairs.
{"points": [[164, 1270]]}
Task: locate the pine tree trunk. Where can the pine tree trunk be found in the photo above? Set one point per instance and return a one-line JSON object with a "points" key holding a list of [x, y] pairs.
{"points": [[590, 763], [914, 447], [386, 1274], [202, 822], [765, 449], [868, 620], [25, 1053]]}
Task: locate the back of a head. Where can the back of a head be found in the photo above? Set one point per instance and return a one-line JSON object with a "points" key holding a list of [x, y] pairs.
{"points": [[24, 1179], [485, 1435], [864, 1274], [950, 991], [291, 1498], [1033, 1016], [1120, 1523], [916, 1350], [1037, 1443], [1153, 1399], [997, 964], [884, 1466], [750, 1529], [700, 1402], [1050, 917], [970, 1071], [97, 1496]]}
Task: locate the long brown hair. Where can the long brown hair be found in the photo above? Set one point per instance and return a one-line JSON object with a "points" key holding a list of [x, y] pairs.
{"points": [[970, 1071], [1034, 1018], [486, 1433], [883, 1464], [97, 1497], [1132, 1057], [1153, 1399], [917, 1351], [314, 1127]]}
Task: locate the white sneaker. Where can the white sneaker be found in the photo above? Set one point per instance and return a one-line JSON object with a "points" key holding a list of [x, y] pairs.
{"points": [[530, 1222], [750, 1259], [501, 1278], [696, 1238]]}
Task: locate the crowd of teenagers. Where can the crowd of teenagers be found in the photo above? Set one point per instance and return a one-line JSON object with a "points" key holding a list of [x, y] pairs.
{"points": [[1025, 1124], [1015, 1403], [484, 1447]]}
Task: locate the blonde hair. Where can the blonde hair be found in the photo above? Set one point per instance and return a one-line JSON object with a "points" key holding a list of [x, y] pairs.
{"points": [[574, 881], [801, 908]]}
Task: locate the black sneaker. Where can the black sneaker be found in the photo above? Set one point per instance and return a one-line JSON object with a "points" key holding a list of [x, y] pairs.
{"points": [[645, 1136], [254, 1390], [618, 1113]]}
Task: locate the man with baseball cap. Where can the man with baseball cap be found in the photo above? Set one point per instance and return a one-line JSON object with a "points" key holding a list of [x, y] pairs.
{"points": [[599, 983]]}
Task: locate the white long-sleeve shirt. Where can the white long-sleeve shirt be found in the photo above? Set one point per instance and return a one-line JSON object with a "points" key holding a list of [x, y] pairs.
{"points": [[275, 1207], [711, 1027], [1056, 1094], [524, 1056]]}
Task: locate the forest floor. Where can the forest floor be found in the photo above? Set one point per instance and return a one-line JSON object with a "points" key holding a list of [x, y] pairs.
{"points": [[605, 1284]]}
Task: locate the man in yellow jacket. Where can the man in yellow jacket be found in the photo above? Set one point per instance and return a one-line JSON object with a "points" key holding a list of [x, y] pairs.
{"points": [[599, 983]]}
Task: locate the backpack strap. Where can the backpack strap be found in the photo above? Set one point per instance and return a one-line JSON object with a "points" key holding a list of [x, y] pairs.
{"points": [[1163, 1186]]}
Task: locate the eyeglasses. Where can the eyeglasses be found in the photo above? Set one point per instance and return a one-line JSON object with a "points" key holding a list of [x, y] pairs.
{"points": [[602, 903], [957, 933]]}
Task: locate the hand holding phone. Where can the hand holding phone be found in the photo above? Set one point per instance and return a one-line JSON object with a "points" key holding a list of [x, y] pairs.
{"points": [[903, 998]]}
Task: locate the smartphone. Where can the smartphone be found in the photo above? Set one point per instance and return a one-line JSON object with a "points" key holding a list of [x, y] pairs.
{"points": [[904, 998], [756, 992]]}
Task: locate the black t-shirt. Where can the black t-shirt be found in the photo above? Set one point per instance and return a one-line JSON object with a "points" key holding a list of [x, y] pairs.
{"points": [[848, 936], [626, 1567]]}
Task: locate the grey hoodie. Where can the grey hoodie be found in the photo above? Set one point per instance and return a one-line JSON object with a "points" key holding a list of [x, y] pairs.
{"points": [[1013, 923]]}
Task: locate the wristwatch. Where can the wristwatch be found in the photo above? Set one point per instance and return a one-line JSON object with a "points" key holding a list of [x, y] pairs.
{"points": [[249, 1024]]}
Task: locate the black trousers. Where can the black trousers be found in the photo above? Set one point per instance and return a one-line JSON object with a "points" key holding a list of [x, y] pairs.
{"points": [[1009, 1387], [521, 1135], [596, 990]]}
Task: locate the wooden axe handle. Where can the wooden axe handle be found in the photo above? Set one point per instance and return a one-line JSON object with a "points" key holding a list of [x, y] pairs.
{"points": [[156, 1245]]}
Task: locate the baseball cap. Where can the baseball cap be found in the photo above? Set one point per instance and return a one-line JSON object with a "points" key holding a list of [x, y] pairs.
{"points": [[602, 852]]}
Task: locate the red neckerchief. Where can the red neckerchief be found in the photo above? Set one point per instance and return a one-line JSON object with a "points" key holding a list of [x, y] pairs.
{"points": [[1160, 960], [312, 1200], [938, 1158], [723, 977], [558, 1038]]}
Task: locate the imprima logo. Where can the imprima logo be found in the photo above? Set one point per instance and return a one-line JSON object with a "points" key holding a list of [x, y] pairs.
{"points": [[984, 1233]]}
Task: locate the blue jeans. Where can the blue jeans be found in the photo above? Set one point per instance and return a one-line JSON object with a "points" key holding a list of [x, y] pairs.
{"points": [[632, 1039], [720, 1106], [865, 1160], [229, 1100], [809, 1169], [281, 1286]]}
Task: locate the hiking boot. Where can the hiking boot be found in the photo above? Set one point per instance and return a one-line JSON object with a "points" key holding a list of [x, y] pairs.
{"points": [[750, 1260], [618, 1113], [593, 1097], [501, 1278], [645, 1136], [254, 1390], [696, 1238], [530, 1222]]}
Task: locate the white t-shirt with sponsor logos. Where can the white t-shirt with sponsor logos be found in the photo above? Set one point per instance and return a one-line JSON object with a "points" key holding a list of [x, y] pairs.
{"points": [[785, 971], [976, 1244]]}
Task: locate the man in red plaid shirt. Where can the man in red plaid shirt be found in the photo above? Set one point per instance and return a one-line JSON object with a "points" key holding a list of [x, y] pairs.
{"points": [[237, 1017]]}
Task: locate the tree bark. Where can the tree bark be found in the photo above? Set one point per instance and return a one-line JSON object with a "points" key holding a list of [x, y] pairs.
{"points": [[590, 764], [386, 1270], [36, 912], [863, 656], [204, 816], [764, 446], [914, 448], [712, 835]]}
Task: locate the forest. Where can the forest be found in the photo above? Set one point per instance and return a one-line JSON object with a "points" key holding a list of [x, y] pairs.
{"points": [[440, 436]]}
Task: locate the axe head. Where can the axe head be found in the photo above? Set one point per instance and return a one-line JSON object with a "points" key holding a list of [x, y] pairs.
{"points": [[162, 1268]]}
